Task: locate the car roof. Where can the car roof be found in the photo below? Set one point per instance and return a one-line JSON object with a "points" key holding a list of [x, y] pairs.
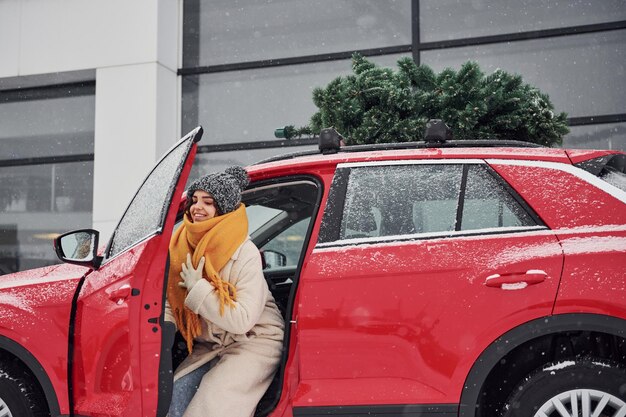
{"points": [[467, 150]]}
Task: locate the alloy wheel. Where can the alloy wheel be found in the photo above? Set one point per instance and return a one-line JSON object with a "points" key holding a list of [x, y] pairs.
{"points": [[583, 403]]}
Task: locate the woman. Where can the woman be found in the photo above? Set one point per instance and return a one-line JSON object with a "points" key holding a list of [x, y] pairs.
{"points": [[219, 300]]}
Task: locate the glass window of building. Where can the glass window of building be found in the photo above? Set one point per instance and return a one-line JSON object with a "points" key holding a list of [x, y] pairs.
{"points": [[46, 170], [583, 74], [250, 67], [458, 19], [231, 31], [247, 105]]}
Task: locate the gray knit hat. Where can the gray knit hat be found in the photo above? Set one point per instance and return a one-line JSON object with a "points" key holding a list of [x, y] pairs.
{"points": [[225, 187]]}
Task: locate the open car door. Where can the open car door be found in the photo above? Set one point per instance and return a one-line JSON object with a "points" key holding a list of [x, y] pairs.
{"points": [[119, 337]]}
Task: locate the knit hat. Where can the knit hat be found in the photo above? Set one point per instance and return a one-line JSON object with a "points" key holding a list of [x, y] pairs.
{"points": [[225, 187]]}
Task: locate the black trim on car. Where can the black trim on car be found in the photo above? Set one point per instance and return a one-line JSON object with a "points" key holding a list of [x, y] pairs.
{"points": [[333, 212], [408, 410], [166, 373], [418, 144], [35, 367], [460, 202], [492, 355], [266, 405], [70, 343], [242, 146], [600, 166]]}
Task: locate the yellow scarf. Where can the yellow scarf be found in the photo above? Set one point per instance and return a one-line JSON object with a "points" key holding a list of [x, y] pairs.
{"points": [[216, 239]]}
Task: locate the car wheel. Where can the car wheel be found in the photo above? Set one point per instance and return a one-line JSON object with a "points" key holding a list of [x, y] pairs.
{"points": [[578, 387], [20, 396]]}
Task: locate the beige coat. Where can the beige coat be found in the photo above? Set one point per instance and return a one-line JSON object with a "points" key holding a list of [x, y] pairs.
{"points": [[247, 339]]}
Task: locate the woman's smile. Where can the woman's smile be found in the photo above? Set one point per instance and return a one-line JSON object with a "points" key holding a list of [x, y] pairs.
{"points": [[202, 207]]}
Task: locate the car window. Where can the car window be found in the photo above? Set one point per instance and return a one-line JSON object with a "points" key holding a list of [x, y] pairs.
{"points": [[425, 198], [279, 216], [289, 242], [487, 203], [278, 220], [400, 199], [610, 168], [146, 213]]}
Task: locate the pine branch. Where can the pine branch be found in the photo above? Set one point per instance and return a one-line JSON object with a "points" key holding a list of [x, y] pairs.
{"points": [[379, 105]]}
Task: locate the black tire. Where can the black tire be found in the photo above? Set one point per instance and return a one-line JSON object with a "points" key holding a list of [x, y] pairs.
{"points": [[593, 378], [20, 395]]}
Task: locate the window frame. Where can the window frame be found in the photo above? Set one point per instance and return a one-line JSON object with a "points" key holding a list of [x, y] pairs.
{"points": [[316, 208], [330, 228], [187, 142]]}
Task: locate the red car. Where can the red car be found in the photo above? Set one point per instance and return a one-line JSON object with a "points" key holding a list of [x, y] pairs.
{"points": [[471, 278]]}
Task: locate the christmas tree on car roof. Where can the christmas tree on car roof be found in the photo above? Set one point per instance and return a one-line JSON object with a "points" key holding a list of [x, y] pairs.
{"points": [[380, 105]]}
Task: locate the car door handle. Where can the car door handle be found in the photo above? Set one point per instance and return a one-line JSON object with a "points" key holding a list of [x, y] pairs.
{"points": [[120, 294], [515, 281]]}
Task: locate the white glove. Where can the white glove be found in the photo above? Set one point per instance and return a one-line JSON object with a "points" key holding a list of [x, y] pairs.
{"points": [[191, 275]]}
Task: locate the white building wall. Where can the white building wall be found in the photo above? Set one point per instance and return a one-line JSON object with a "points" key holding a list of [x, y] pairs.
{"points": [[133, 46]]}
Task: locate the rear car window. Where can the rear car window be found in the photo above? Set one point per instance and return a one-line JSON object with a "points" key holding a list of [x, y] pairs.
{"points": [[424, 198], [610, 168]]}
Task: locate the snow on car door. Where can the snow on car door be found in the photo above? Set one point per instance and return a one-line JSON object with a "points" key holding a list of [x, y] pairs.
{"points": [[420, 268], [118, 333]]}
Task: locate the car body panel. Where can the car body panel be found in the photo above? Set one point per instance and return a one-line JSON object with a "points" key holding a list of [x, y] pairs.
{"points": [[325, 312], [585, 204], [594, 272], [413, 316], [41, 299], [402, 321], [118, 319], [590, 223], [580, 155], [325, 161]]}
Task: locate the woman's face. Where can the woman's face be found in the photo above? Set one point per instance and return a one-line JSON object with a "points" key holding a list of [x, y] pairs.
{"points": [[202, 206]]}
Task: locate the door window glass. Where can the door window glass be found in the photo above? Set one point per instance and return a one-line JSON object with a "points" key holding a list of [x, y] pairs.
{"points": [[400, 200], [488, 204], [147, 210], [289, 242], [279, 216], [227, 31]]}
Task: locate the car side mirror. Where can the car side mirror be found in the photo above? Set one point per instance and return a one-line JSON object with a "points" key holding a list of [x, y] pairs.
{"points": [[272, 259], [79, 247]]}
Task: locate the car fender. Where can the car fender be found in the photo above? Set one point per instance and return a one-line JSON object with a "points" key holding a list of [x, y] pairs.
{"points": [[522, 334], [35, 367]]}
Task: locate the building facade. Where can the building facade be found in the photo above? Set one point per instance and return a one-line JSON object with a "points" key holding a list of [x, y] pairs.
{"points": [[93, 92]]}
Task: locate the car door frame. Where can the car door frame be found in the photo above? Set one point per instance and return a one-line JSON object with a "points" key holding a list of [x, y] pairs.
{"points": [[329, 235], [157, 325]]}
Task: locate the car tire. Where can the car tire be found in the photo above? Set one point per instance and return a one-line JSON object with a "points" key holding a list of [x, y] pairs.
{"points": [[583, 381], [20, 395]]}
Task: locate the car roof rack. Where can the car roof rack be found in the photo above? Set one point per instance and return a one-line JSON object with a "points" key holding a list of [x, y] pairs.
{"points": [[437, 135], [469, 143]]}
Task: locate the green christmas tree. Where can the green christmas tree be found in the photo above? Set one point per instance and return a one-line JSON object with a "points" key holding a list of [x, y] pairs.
{"points": [[379, 105]]}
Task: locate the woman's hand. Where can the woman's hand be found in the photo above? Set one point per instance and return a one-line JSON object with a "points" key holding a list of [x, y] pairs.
{"points": [[191, 275]]}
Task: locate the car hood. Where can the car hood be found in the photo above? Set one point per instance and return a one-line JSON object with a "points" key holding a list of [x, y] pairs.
{"points": [[35, 308], [46, 275]]}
